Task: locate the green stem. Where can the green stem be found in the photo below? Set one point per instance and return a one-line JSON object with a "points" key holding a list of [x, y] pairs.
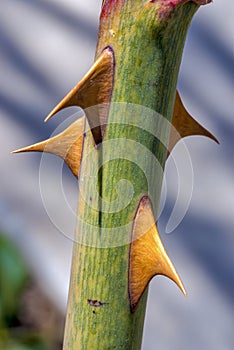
{"points": [[147, 44]]}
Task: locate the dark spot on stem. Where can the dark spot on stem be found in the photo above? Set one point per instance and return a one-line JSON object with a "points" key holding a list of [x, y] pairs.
{"points": [[96, 303]]}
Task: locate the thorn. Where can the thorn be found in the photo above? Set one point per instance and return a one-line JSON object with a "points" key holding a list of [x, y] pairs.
{"points": [[67, 145], [184, 125], [148, 256], [94, 90]]}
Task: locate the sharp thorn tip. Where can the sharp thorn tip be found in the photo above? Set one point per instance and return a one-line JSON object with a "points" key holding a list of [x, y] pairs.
{"points": [[47, 118]]}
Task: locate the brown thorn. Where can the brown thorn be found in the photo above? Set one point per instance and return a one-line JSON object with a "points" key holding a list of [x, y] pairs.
{"points": [[67, 145], [184, 125], [93, 94], [148, 256]]}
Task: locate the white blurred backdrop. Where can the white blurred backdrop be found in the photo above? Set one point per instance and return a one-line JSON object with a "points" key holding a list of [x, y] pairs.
{"points": [[46, 46]]}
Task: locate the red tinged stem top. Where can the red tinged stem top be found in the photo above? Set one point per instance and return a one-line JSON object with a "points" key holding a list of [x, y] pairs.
{"points": [[177, 2], [174, 3], [110, 6]]}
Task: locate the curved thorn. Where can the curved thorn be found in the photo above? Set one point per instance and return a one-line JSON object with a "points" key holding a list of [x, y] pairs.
{"points": [[148, 256], [93, 94], [67, 145], [184, 125]]}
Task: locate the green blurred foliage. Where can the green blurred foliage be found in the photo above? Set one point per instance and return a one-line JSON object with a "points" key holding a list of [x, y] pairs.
{"points": [[14, 276], [27, 343]]}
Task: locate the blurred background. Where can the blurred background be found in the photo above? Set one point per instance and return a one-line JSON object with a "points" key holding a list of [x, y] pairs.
{"points": [[46, 47]]}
